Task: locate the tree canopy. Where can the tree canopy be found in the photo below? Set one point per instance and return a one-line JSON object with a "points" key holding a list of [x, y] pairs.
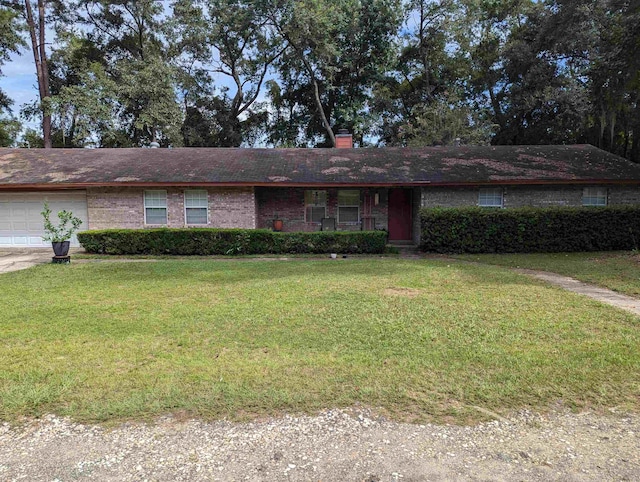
{"points": [[292, 72]]}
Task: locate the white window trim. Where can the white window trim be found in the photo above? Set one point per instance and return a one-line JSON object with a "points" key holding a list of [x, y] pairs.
{"points": [[496, 189], [349, 206], [165, 207], [598, 195], [186, 222], [313, 205]]}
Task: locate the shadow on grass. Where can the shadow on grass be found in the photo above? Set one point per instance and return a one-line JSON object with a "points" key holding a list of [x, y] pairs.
{"points": [[231, 272]]}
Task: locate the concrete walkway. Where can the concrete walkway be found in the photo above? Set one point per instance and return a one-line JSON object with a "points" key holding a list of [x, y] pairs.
{"points": [[17, 259], [599, 294]]}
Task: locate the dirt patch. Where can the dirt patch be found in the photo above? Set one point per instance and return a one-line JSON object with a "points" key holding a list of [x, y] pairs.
{"points": [[405, 292]]}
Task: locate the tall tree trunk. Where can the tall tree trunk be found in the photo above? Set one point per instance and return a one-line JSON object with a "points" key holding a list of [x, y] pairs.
{"points": [[38, 46]]}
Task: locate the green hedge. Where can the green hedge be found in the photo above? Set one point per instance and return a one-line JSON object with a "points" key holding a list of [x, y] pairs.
{"points": [[207, 241], [529, 230]]}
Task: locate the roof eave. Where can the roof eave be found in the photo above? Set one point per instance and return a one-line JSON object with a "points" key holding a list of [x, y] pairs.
{"points": [[337, 184]]}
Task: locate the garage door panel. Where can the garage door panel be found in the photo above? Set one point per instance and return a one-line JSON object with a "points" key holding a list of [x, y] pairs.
{"points": [[21, 223], [36, 241], [18, 210]]}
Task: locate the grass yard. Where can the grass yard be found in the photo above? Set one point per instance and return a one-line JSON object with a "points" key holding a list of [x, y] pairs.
{"points": [[618, 271], [423, 340]]}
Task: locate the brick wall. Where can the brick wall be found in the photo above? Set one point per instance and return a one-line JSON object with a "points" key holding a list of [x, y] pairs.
{"points": [[115, 208], [520, 196], [448, 197], [124, 208], [232, 208], [542, 196], [416, 231], [624, 195], [246, 208], [288, 205]]}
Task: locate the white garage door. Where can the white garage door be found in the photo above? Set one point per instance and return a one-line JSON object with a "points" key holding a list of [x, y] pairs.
{"points": [[21, 222]]}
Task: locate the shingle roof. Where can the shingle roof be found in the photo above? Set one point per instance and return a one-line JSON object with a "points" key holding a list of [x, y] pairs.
{"points": [[384, 166]]}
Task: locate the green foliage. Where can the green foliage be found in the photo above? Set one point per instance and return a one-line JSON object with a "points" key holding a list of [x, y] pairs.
{"points": [[9, 131], [483, 230], [83, 103], [147, 91], [227, 38], [393, 72], [131, 96], [207, 241], [336, 51], [68, 225], [31, 139], [445, 122]]}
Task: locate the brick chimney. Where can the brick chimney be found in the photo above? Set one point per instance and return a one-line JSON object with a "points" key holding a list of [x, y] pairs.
{"points": [[344, 140]]}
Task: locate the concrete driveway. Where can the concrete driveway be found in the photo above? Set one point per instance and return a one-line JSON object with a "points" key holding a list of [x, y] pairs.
{"points": [[17, 259]]}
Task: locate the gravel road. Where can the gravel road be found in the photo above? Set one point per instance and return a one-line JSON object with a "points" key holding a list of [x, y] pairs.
{"points": [[336, 445]]}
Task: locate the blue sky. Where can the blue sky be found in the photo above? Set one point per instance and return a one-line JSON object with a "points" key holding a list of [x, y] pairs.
{"points": [[19, 81]]}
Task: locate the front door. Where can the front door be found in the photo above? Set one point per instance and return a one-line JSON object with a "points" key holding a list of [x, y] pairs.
{"points": [[400, 215]]}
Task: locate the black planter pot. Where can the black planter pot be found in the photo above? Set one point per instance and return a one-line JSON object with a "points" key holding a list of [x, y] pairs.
{"points": [[61, 248]]}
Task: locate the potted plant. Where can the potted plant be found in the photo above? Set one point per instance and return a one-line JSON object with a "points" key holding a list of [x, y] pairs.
{"points": [[277, 223], [59, 235]]}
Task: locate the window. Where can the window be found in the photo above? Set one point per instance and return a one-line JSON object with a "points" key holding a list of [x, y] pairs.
{"points": [[196, 207], [349, 207], [315, 203], [155, 207], [594, 196], [490, 197]]}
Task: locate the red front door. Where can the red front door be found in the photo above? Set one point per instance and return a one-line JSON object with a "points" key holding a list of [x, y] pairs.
{"points": [[400, 217]]}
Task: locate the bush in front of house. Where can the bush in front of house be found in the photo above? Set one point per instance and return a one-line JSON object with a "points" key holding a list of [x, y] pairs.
{"points": [[529, 230], [211, 241]]}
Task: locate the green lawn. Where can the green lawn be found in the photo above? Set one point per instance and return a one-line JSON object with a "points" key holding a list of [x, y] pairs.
{"points": [[422, 340], [618, 271]]}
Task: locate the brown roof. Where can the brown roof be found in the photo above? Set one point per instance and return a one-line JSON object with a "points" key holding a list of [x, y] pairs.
{"points": [[67, 168]]}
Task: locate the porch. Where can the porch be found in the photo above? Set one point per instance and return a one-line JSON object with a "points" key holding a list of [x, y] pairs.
{"points": [[349, 209]]}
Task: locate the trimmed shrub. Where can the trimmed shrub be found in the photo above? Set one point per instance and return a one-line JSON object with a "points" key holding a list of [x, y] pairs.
{"points": [[208, 241], [529, 230]]}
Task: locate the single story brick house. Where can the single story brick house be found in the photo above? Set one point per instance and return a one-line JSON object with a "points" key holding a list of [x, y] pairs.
{"points": [[308, 189]]}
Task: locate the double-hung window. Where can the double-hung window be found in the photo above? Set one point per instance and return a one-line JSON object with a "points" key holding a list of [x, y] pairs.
{"points": [[594, 196], [349, 207], [196, 207], [155, 207], [490, 197], [315, 204]]}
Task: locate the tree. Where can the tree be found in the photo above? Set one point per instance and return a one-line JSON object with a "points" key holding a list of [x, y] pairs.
{"points": [[336, 50], [595, 44], [9, 131], [232, 39], [137, 59], [36, 26], [445, 121], [532, 97], [424, 80], [83, 101], [147, 92]]}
